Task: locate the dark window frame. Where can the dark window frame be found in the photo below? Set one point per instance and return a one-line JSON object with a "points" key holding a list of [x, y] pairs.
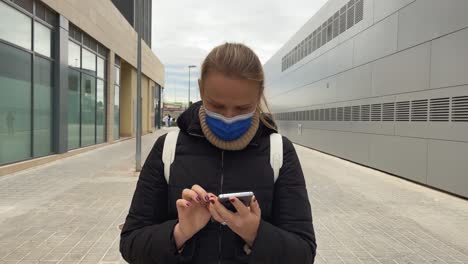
{"points": [[33, 54]]}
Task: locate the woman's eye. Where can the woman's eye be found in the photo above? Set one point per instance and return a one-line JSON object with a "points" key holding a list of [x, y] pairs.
{"points": [[246, 108]]}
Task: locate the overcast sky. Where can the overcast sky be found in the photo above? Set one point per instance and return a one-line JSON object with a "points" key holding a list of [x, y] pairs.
{"points": [[185, 31]]}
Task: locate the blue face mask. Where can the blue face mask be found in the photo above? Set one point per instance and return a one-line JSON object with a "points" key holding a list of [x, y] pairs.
{"points": [[226, 128]]}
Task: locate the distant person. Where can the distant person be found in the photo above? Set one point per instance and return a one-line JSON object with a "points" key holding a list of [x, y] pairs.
{"points": [[223, 147], [166, 120], [10, 119], [170, 120]]}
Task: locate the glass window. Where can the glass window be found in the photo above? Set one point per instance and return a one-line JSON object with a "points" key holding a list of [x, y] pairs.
{"points": [[21, 35], [101, 68], [26, 4], [42, 107], [15, 104], [73, 109], [89, 62], [51, 17], [74, 58], [40, 10], [100, 112], [88, 110], [42, 39], [116, 112], [117, 75]]}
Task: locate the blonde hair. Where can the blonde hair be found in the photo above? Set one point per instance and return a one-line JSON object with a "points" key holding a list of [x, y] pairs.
{"points": [[239, 61]]}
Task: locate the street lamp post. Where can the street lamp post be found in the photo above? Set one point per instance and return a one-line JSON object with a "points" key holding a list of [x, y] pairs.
{"points": [[189, 67], [139, 99]]}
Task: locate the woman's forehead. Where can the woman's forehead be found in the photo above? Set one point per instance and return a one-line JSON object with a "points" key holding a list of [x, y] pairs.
{"points": [[218, 87]]}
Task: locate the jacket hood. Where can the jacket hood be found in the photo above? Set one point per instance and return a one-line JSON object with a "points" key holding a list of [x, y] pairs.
{"points": [[189, 122]]}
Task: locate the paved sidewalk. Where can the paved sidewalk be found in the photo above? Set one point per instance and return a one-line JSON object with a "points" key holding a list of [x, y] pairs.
{"points": [[68, 211], [365, 216]]}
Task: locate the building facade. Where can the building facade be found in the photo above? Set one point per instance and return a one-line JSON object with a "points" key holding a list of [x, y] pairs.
{"points": [[68, 79], [133, 10], [383, 83]]}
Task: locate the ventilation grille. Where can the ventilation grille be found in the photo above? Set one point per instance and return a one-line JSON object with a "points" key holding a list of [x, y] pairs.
{"points": [[330, 31], [319, 37], [388, 112], [359, 11], [445, 109], [314, 41], [339, 115], [336, 24], [327, 114], [460, 109], [324, 33], [333, 114], [350, 17], [402, 111], [419, 111], [356, 113], [376, 112], [342, 20], [365, 113], [439, 110], [347, 113]]}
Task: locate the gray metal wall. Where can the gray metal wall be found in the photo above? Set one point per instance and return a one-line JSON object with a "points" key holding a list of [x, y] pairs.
{"points": [[406, 63]]}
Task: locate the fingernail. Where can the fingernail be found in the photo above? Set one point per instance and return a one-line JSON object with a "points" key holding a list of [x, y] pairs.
{"points": [[232, 200], [212, 201], [254, 199], [198, 198], [188, 204], [207, 198]]}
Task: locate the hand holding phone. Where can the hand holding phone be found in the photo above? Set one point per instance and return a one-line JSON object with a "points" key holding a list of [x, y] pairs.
{"points": [[244, 197]]}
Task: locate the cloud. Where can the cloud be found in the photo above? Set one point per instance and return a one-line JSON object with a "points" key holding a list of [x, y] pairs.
{"points": [[185, 31]]}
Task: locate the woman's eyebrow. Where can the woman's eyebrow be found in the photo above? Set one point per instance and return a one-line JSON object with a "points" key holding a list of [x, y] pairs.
{"points": [[213, 102]]}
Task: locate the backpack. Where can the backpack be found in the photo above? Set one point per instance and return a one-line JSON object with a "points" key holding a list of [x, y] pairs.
{"points": [[276, 153]]}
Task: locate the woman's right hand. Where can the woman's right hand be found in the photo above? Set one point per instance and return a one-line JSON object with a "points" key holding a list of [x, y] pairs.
{"points": [[193, 214]]}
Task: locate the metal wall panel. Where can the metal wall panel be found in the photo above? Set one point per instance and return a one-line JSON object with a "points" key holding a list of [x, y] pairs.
{"points": [[354, 84], [449, 66], [384, 8], [356, 147], [403, 72], [340, 59], [377, 41], [429, 19], [447, 166], [313, 94], [402, 156]]}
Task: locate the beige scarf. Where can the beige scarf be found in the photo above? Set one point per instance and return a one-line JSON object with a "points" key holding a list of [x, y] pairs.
{"points": [[237, 144]]}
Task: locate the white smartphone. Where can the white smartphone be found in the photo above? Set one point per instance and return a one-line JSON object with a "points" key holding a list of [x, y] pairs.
{"points": [[244, 197]]}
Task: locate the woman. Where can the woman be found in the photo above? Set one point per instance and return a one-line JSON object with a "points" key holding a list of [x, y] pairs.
{"points": [[223, 147]]}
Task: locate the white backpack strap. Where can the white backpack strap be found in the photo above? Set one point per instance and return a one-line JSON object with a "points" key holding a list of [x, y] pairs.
{"points": [[276, 154], [168, 154]]}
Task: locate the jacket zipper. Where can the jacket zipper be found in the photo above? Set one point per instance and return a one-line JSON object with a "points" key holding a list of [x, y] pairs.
{"points": [[196, 135], [220, 192]]}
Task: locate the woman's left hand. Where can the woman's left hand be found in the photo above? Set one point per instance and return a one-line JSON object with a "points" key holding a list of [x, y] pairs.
{"points": [[244, 222]]}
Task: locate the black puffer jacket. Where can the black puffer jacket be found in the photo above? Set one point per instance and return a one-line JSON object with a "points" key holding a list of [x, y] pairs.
{"points": [[285, 234]]}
